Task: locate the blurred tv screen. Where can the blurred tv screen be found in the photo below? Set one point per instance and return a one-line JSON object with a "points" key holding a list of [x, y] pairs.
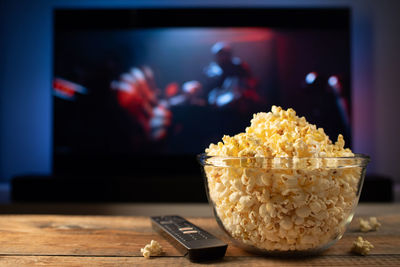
{"points": [[134, 87]]}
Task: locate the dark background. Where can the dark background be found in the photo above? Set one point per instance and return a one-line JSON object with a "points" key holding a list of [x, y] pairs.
{"points": [[26, 76]]}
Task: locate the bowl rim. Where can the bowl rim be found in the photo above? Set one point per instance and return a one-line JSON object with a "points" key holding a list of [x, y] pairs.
{"points": [[359, 159], [356, 156]]}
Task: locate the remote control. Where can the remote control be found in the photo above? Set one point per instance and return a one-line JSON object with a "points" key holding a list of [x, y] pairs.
{"points": [[196, 243]]}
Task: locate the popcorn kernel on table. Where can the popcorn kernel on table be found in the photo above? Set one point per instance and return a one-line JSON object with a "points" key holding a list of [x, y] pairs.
{"points": [[282, 209], [365, 226], [152, 249], [371, 225], [361, 246], [374, 223]]}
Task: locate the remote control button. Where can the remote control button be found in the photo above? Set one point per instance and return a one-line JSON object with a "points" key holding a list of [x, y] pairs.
{"points": [[190, 232], [185, 228], [166, 222]]}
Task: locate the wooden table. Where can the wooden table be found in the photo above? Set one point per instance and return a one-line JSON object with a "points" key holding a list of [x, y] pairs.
{"points": [[68, 240]]}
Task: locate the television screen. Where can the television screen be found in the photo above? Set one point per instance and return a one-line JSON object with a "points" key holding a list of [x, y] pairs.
{"points": [[145, 90]]}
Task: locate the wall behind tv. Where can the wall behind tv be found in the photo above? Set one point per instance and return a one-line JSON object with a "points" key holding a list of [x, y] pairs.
{"points": [[26, 70]]}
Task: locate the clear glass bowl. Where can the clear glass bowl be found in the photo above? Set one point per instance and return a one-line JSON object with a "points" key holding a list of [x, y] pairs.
{"points": [[296, 206]]}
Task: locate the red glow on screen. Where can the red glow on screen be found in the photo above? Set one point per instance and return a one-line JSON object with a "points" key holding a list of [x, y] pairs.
{"points": [[64, 88]]}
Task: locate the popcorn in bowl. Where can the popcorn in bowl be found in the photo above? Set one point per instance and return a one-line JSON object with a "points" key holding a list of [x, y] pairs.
{"points": [[282, 185]]}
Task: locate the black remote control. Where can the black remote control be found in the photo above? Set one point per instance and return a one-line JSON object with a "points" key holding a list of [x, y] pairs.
{"points": [[196, 243]]}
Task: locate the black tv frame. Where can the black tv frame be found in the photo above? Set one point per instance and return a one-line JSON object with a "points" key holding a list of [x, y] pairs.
{"points": [[160, 178]]}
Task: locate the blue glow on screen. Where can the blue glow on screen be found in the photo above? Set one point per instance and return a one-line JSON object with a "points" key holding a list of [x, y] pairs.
{"points": [[310, 78]]}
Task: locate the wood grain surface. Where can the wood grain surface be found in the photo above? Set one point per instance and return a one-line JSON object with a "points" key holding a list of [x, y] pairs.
{"points": [[57, 240]]}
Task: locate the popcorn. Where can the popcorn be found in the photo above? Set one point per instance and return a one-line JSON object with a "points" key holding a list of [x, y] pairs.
{"points": [[282, 187], [365, 226], [280, 133], [152, 249], [361, 246], [371, 225], [374, 223]]}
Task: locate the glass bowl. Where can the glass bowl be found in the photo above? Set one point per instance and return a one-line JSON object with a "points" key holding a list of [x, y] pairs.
{"points": [[296, 206]]}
